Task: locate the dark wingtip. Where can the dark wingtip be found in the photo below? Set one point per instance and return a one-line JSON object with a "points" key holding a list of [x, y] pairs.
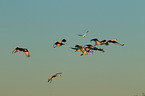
{"points": [[76, 45], [63, 40], [122, 45]]}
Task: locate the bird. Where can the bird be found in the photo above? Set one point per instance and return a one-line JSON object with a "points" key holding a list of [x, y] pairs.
{"points": [[97, 42], [17, 49], [83, 35], [59, 43], [91, 47], [53, 76], [114, 41], [84, 51]]}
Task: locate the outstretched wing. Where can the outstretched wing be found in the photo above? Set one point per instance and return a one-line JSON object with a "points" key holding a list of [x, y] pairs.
{"points": [[27, 54], [13, 50], [94, 40], [86, 32], [79, 35], [50, 78], [63, 40], [58, 73]]}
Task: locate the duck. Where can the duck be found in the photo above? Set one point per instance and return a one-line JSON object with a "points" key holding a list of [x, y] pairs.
{"points": [[17, 49], [84, 34], [59, 43], [53, 76]]}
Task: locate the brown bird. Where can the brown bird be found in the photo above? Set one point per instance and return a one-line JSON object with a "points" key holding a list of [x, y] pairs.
{"points": [[83, 49], [53, 76], [114, 41], [59, 43], [97, 42], [84, 34], [91, 47], [17, 49]]}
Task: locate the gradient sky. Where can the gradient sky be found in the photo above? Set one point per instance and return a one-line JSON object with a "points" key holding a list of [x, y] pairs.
{"points": [[37, 24]]}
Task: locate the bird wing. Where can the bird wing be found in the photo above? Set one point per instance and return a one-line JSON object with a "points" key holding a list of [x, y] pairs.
{"points": [[60, 41], [103, 40], [73, 48], [63, 40], [13, 50], [86, 32], [27, 54], [94, 40], [78, 46], [80, 35], [49, 78], [58, 73]]}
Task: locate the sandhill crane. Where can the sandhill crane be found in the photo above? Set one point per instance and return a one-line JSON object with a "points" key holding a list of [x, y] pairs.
{"points": [[97, 42], [53, 76], [114, 41], [84, 34], [91, 47], [59, 43], [83, 49], [17, 49]]}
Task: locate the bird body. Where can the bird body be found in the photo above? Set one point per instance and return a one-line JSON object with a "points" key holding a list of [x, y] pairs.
{"points": [[85, 53]]}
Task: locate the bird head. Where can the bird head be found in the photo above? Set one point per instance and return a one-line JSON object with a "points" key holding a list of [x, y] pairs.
{"points": [[115, 39]]}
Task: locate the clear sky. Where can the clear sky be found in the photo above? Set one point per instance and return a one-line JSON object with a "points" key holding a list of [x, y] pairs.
{"points": [[37, 24]]}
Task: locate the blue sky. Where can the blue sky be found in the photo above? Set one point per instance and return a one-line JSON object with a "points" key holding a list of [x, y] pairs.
{"points": [[36, 25]]}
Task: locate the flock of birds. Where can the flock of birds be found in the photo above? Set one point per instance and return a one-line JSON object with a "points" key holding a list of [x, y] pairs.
{"points": [[86, 49]]}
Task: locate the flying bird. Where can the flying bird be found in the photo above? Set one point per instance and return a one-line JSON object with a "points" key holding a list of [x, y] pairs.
{"points": [[84, 34], [53, 76], [97, 42], [114, 41], [17, 49], [91, 47], [59, 43], [83, 49]]}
